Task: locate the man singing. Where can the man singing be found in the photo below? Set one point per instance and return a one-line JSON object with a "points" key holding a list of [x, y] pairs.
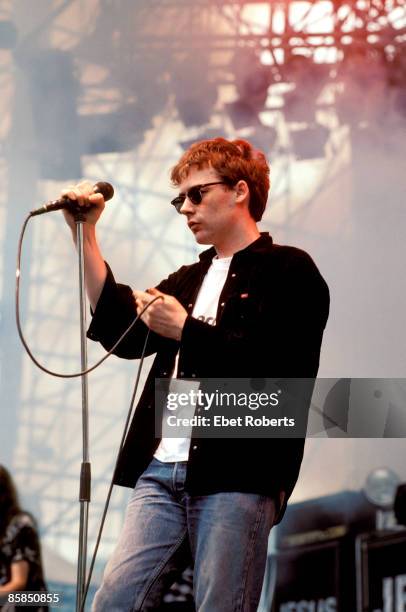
{"points": [[247, 308]]}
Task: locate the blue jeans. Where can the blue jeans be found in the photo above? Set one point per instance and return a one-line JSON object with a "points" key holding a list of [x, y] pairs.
{"points": [[225, 535]]}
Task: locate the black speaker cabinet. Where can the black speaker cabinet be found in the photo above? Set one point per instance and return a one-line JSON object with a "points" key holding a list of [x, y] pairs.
{"points": [[318, 577], [381, 575]]}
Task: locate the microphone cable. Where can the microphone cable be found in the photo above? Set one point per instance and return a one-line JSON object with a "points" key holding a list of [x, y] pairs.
{"points": [[20, 331], [107, 502], [76, 375]]}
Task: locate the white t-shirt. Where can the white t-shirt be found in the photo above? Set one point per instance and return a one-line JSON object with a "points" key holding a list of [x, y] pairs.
{"points": [[205, 309]]}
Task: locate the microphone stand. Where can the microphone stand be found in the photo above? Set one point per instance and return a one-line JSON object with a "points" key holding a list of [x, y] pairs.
{"points": [[85, 472]]}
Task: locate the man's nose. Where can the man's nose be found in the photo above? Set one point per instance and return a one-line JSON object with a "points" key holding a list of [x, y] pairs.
{"points": [[187, 207]]}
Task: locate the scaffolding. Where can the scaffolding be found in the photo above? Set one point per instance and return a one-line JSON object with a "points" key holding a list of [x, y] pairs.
{"points": [[139, 64]]}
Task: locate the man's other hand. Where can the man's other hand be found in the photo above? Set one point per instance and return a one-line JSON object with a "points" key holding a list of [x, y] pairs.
{"points": [[165, 316]]}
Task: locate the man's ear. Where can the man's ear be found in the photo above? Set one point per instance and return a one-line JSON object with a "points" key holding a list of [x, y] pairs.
{"points": [[242, 191]]}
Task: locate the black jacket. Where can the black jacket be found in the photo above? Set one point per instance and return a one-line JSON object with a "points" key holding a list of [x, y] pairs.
{"points": [[270, 320]]}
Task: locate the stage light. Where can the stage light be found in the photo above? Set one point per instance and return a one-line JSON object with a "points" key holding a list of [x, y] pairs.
{"points": [[380, 490]]}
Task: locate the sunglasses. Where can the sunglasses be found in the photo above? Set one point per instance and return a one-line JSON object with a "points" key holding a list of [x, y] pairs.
{"points": [[194, 194]]}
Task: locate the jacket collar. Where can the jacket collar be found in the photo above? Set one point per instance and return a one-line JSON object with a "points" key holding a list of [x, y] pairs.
{"points": [[260, 245]]}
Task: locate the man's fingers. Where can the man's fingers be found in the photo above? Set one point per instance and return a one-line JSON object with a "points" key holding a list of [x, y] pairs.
{"points": [[142, 296], [96, 198], [86, 186], [146, 296], [142, 299], [69, 193], [82, 193], [156, 293]]}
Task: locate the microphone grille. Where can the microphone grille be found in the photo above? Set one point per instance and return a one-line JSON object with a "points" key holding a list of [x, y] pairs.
{"points": [[105, 189]]}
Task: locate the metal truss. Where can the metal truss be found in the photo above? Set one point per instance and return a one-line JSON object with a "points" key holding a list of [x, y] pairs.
{"points": [[126, 53]]}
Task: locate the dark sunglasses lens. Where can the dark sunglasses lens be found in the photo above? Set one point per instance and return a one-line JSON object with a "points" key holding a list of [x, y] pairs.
{"points": [[177, 202], [195, 195]]}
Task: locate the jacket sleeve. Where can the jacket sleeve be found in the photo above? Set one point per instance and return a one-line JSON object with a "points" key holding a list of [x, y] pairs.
{"points": [[115, 311], [306, 309]]}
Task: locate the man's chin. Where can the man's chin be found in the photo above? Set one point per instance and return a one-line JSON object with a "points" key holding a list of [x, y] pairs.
{"points": [[201, 239]]}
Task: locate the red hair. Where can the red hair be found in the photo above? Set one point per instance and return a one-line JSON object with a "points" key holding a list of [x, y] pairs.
{"points": [[233, 161]]}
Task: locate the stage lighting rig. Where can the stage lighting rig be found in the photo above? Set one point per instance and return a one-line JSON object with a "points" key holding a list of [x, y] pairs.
{"points": [[252, 80], [195, 94]]}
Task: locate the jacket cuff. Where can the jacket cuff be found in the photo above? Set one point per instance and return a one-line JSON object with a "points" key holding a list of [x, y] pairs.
{"points": [[196, 332]]}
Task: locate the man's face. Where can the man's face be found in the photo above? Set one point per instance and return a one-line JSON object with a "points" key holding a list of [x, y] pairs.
{"points": [[211, 220]]}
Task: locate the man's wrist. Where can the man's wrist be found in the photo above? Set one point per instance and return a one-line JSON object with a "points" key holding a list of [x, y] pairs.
{"points": [[181, 326]]}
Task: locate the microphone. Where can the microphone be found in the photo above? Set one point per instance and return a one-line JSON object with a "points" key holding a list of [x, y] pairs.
{"points": [[105, 189]]}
